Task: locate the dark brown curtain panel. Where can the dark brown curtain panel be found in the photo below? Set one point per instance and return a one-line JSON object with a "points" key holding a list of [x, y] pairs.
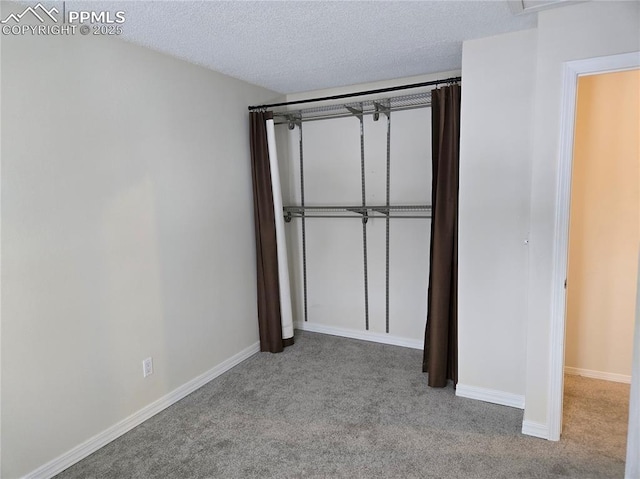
{"points": [[266, 247], [441, 335]]}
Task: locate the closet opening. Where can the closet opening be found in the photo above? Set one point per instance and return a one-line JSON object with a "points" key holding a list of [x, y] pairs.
{"points": [[356, 182]]}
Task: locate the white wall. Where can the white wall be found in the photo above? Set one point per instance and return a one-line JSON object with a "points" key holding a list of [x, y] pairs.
{"points": [[632, 466], [575, 32], [495, 162], [127, 232], [494, 88], [494, 80], [334, 246]]}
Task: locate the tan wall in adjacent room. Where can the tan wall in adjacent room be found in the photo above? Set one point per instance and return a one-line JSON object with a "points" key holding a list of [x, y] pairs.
{"points": [[604, 225]]}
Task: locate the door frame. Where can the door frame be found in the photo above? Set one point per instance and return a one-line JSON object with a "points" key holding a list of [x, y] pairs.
{"points": [[571, 71]]}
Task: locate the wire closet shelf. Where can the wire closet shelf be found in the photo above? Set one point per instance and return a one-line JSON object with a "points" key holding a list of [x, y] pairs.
{"points": [[357, 108], [364, 212]]}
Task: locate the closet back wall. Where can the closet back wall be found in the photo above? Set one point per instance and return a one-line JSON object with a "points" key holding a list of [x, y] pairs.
{"points": [[334, 246]]}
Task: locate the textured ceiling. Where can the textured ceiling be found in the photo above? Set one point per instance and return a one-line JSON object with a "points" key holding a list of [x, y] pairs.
{"points": [[293, 46]]}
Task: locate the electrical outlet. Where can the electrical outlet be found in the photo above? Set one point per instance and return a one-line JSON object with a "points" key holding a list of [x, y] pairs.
{"points": [[147, 367]]}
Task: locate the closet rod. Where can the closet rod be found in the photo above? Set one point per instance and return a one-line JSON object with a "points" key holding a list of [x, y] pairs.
{"points": [[361, 93]]}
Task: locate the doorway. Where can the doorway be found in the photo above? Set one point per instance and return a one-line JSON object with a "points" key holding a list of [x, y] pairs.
{"points": [[604, 228], [604, 233], [571, 71]]}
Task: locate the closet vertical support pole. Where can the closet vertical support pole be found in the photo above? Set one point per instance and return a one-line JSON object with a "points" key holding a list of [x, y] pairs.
{"points": [[364, 220], [304, 235], [387, 220]]}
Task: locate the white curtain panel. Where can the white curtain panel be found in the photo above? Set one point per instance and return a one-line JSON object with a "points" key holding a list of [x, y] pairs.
{"points": [[286, 314]]}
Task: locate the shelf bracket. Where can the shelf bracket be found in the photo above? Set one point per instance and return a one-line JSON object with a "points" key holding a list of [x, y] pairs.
{"points": [[361, 211], [294, 120], [355, 112], [381, 107]]}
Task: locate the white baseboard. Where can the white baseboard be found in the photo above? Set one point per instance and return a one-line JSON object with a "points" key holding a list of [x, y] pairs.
{"points": [[588, 373], [490, 395], [81, 451], [362, 335], [535, 429]]}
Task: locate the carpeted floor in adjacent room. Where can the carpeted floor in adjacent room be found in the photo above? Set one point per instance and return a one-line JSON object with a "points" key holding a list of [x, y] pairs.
{"points": [[336, 407]]}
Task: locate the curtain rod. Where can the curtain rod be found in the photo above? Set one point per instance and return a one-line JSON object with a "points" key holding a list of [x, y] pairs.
{"points": [[361, 93]]}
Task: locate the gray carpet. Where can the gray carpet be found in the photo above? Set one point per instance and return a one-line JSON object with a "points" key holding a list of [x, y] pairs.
{"points": [[335, 407]]}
